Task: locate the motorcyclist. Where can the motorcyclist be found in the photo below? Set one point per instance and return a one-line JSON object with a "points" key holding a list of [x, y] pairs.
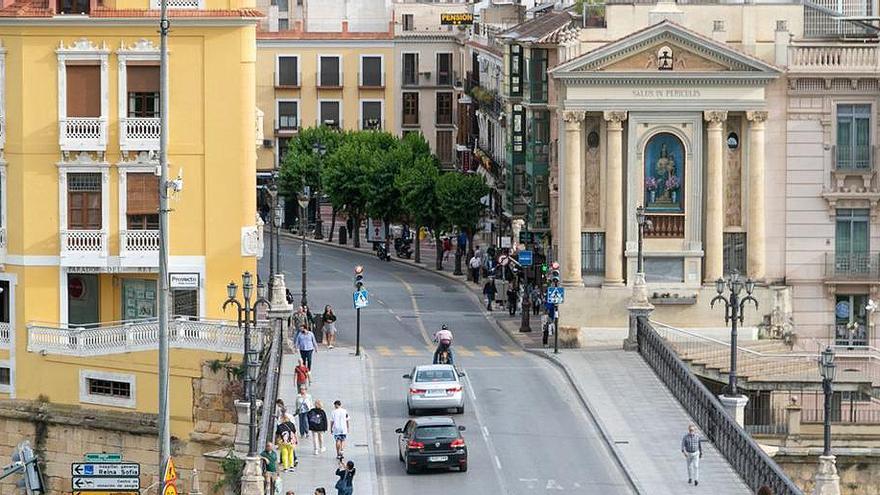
{"points": [[443, 338]]}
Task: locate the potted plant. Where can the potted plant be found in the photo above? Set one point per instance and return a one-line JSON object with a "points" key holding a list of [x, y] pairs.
{"points": [[672, 185]]}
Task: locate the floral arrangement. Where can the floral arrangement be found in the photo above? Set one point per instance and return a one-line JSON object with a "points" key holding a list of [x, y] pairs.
{"points": [[672, 183], [651, 184]]}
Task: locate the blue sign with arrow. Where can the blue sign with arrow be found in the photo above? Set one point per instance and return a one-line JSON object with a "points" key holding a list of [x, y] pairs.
{"points": [[555, 295], [360, 299]]}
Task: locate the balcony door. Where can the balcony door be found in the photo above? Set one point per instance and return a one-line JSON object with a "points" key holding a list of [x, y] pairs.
{"points": [[83, 90], [143, 90], [854, 137], [82, 299], [74, 6], [142, 201], [851, 320], [852, 242], [84, 201]]}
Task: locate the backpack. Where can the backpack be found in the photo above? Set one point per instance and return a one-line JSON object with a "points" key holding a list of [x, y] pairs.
{"points": [[314, 418]]}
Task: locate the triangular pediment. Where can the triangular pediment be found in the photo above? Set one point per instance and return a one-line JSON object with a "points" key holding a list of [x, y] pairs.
{"points": [[669, 50]]}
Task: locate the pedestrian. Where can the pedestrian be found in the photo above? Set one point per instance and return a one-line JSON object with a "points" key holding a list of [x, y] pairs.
{"points": [[279, 411], [536, 297], [692, 450], [285, 437], [269, 459], [302, 374], [447, 248], [549, 316], [489, 290], [303, 406], [305, 342], [511, 299], [329, 319], [339, 427], [318, 426], [475, 265], [296, 322], [346, 477]]}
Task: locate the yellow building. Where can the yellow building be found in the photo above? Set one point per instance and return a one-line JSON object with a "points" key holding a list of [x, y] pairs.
{"points": [[341, 79], [79, 191]]}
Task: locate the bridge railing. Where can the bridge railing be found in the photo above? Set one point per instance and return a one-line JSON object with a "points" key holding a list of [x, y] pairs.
{"points": [[743, 454]]}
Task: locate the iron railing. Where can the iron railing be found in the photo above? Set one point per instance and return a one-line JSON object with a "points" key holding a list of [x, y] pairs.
{"points": [[268, 380], [743, 454], [852, 266]]}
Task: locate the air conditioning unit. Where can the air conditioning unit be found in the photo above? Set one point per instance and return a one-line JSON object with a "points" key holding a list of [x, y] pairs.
{"points": [[267, 143]]}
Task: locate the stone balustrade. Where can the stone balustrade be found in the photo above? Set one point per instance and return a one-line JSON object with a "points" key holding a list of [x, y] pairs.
{"points": [[833, 58]]}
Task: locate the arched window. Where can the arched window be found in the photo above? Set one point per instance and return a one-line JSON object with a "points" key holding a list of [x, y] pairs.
{"points": [[664, 174]]}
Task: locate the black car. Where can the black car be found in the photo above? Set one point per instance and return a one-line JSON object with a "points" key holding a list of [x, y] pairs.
{"points": [[432, 442]]}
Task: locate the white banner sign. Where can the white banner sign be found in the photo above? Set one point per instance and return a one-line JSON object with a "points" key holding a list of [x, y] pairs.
{"points": [[183, 280]]}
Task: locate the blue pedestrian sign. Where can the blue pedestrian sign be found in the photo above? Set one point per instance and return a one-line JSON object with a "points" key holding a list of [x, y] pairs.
{"points": [[555, 295], [525, 258], [360, 299]]}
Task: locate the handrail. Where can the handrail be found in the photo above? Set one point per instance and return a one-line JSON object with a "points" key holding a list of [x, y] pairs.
{"points": [[270, 374], [743, 454]]}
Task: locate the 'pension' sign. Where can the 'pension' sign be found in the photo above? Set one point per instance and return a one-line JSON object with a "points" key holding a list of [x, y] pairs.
{"points": [[456, 19]]}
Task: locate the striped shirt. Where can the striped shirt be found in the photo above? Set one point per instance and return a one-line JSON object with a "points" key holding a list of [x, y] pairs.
{"points": [[690, 443]]}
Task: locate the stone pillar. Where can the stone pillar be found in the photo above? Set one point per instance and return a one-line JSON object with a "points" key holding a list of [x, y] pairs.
{"points": [[614, 199], [242, 409], [571, 200], [756, 236], [252, 477], [792, 422], [735, 406], [827, 482], [281, 310], [714, 242], [636, 309]]}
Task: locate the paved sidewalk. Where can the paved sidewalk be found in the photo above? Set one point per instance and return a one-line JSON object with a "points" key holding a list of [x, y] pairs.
{"points": [[339, 375], [644, 421]]}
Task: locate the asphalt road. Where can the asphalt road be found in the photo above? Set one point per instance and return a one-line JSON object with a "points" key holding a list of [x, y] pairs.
{"points": [[526, 431]]}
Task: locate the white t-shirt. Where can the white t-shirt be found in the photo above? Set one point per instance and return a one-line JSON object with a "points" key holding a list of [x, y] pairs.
{"points": [[339, 419]]}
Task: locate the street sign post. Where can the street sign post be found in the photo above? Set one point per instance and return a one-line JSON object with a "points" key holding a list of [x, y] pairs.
{"points": [[525, 258], [555, 295], [361, 299], [105, 469], [114, 483], [170, 472], [102, 457]]}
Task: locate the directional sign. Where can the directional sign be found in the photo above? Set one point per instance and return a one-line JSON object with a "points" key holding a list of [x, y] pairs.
{"points": [[555, 295], [102, 457], [116, 483], [121, 469], [525, 258], [170, 472], [360, 298]]}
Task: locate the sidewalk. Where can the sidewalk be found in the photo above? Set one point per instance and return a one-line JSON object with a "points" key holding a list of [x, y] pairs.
{"points": [[338, 375]]}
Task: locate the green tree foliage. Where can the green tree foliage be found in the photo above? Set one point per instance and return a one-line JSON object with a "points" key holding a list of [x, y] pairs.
{"points": [[458, 196]]}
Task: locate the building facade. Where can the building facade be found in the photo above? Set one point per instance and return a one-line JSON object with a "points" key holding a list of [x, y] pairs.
{"points": [[78, 276]]}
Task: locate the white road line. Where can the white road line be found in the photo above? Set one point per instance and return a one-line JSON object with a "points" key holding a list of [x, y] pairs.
{"points": [[485, 432], [471, 393], [415, 305], [490, 446], [498, 462], [375, 424]]}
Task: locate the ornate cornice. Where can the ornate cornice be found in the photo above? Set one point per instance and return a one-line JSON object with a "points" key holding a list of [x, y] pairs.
{"points": [[573, 117], [757, 117], [715, 117], [614, 116]]}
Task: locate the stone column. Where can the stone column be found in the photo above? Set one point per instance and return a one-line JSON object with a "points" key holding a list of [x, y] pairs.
{"points": [[714, 242], [571, 200], [756, 237], [614, 199], [827, 481]]}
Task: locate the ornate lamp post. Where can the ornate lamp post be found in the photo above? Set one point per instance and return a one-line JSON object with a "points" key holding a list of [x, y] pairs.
{"points": [[273, 226], [303, 199], [319, 149], [827, 481], [247, 317], [638, 305]]}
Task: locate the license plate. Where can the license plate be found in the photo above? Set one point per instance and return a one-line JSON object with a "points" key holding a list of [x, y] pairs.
{"points": [[438, 458], [436, 393]]}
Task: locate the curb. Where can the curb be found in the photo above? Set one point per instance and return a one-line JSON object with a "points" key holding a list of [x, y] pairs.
{"points": [[566, 371], [374, 466]]}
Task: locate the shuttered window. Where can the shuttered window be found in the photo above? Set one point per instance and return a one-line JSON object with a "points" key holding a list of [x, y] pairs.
{"points": [[329, 75], [444, 146], [444, 108], [444, 69], [371, 71], [143, 90], [288, 115], [142, 201], [410, 109], [329, 114], [410, 69], [83, 91], [288, 71], [371, 113], [84, 201]]}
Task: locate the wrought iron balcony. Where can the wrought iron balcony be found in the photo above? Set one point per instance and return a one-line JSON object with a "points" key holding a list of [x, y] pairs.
{"points": [[82, 133], [130, 336], [852, 267], [139, 134], [854, 158]]}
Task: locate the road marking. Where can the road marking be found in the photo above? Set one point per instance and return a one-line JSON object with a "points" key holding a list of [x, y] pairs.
{"points": [[463, 351], [516, 351], [488, 351], [375, 424], [384, 350], [415, 305], [498, 462], [410, 350], [499, 477], [485, 432]]}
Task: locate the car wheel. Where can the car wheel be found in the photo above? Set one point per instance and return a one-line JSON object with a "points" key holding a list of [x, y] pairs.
{"points": [[463, 467], [460, 410], [411, 411], [410, 469], [399, 455]]}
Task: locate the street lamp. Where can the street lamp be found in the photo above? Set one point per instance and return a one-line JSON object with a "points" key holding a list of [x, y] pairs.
{"points": [[733, 314], [828, 369], [247, 317], [644, 224], [303, 199], [274, 264], [319, 150]]}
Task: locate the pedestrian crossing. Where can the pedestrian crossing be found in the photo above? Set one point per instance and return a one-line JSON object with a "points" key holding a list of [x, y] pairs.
{"points": [[459, 350]]}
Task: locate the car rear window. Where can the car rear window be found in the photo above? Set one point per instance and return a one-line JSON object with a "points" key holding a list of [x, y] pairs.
{"points": [[435, 376], [436, 432]]}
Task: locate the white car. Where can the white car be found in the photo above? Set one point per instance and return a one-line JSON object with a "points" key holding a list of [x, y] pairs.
{"points": [[435, 386]]}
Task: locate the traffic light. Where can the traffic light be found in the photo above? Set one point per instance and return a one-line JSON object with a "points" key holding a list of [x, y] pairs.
{"points": [[32, 479], [554, 273], [359, 277], [544, 268]]}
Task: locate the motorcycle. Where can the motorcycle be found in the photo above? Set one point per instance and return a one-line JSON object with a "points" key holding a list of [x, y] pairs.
{"points": [[382, 252], [403, 247]]}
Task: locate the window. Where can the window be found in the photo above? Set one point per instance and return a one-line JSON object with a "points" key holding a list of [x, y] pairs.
{"points": [[444, 108], [283, 24], [108, 389], [371, 72], [288, 71], [143, 90], [283, 144], [734, 252], [73, 6], [593, 253], [83, 90], [854, 137], [444, 69], [139, 299], [410, 109], [282, 6], [185, 302], [410, 69], [5, 375], [444, 146], [329, 114], [4, 301], [371, 115], [330, 73], [538, 75], [852, 238], [142, 201], [408, 24], [851, 319], [288, 115], [84, 201]]}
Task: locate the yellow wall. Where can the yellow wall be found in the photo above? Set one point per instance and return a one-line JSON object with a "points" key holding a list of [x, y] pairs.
{"points": [[308, 94]]}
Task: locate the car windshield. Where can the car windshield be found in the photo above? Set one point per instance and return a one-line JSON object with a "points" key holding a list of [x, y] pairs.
{"points": [[436, 432], [443, 375]]}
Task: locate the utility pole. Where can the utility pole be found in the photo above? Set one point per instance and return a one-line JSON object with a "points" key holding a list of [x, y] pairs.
{"points": [[164, 416]]}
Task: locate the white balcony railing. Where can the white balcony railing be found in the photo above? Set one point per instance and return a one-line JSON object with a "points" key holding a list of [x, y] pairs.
{"points": [[82, 133], [139, 134], [132, 336], [139, 241], [179, 4], [3, 239], [2, 131], [833, 57], [83, 241], [5, 334]]}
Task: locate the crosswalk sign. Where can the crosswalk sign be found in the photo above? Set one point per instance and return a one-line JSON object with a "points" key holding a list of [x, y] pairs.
{"points": [[360, 299], [555, 295]]}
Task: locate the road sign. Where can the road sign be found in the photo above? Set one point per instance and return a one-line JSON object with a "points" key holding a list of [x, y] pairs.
{"points": [[360, 298], [525, 258], [555, 295], [170, 489], [105, 469], [115, 483], [102, 457], [170, 472]]}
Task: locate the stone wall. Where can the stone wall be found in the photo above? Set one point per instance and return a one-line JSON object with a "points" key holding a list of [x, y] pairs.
{"points": [[61, 434], [859, 474]]}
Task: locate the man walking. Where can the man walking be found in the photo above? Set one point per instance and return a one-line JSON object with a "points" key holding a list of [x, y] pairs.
{"points": [[692, 450], [306, 343], [489, 290], [475, 264], [339, 427]]}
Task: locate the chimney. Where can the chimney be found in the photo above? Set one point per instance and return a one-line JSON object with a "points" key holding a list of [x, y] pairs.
{"points": [[781, 42], [344, 26]]}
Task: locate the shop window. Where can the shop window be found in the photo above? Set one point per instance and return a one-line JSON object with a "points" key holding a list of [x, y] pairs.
{"points": [[185, 303], [138, 299]]}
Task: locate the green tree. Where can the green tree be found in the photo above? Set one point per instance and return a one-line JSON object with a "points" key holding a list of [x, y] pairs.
{"points": [[345, 176], [459, 197], [417, 183], [384, 198], [414, 149]]}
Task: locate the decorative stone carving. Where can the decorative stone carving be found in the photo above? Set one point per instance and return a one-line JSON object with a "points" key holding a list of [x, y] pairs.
{"points": [[251, 241], [141, 45], [733, 175], [573, 117], [757, 117], [591, 182], [615, 119], [715, 117], [665, 59], [82, 45]]}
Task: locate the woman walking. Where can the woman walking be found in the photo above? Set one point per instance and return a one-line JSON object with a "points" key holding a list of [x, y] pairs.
{"points": [[329, 320], [318, 426], [303, 406], [345, 472]]}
